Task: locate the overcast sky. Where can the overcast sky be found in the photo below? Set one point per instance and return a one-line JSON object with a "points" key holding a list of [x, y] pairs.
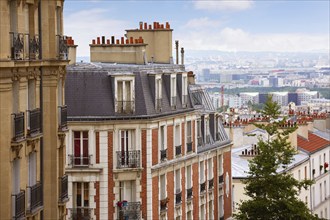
{"points": [[232, 25]]}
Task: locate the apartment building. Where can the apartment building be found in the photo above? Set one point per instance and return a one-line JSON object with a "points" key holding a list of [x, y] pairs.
{"points": [[32, 110], [144, 140]]}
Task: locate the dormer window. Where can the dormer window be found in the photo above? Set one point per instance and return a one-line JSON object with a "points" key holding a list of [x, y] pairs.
{"points": [[158, 94], [173, 92], [124, 96], [184, 91]]}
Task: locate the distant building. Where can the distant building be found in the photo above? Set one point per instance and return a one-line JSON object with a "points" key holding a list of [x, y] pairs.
{"points": [[247, 97]]}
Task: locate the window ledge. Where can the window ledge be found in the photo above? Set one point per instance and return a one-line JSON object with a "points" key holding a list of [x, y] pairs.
{"points": [[83, 170]]}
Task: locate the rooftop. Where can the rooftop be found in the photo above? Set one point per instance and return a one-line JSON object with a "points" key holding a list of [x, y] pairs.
{"points": [[313, 143]]}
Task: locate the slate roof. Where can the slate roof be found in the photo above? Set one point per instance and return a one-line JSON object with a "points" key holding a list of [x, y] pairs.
{"points": [[313, 143]]}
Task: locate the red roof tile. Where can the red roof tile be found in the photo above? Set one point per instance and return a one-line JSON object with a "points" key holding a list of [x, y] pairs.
{"points": [[314, 142]]}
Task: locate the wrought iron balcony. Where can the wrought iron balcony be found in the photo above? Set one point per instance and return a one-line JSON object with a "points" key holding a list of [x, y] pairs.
{"points": [[189, 147], [34, 121], [199, 141], [189, 193], [178, 150], [202, 187], [128, 159], [34, 197], [163, 204], [62, 117], [24, 46], [62, 47], [81, 213], [178, 197], [129, 211], [18, 126], [63, 197], [173, 102], [211, 183], [80, 161], [34, 47], [158, 104], [184, 101], [221, 179], [19, 205], [163, 154], [125, 107]]}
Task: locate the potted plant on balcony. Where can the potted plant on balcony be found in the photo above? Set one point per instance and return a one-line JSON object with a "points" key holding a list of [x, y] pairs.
{"points": [[326, 165]]}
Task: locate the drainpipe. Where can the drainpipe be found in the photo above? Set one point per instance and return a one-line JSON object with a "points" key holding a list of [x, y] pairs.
{"points": [[182, 56], [177, 51]]}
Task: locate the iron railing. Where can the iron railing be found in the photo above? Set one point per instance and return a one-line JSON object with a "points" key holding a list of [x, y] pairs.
{"points": [[159, 104], [82, 213], [178, 197], [62, 47], [178, 150], [189, 193], [128, 159], [173, 102], [63, 188], [202, 187], [34, 121], [199, 141], [35, 197], [163, 154], [80, 161], [221, 179], [163, 204], [34, 48], [62, 117], [18, 126], [211, 183], [24, 46], [19, 205], [125, 107], [189, 147], [130, 211], [184, 101]]}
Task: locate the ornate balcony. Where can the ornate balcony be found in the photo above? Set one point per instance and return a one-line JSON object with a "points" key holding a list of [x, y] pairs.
{"points": [[221, 179], [211, 184], [184, 101], [178, 197], [189, 147], [163, 154], [34, 121], [163, 204], [34, 197], [63, 183], [62, 45], [158, 104], [82, 213], [173, 102], [189, 193], [178, 150], [34, 47], [202, 187], [128, 159], [80, 161], [129, 210], [19, 205], [18, 126], [24, 46], [125, 107], [62, 118]]}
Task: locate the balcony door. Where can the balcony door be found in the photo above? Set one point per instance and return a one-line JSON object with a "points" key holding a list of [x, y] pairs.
{"points": [[81, 157], [81, 209], [126, 146], [127, 191]]}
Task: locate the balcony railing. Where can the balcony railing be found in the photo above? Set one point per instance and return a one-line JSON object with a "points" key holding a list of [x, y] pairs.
{"points": [[178, 197], [62, 117], [130, 211], [128, 159], [158, 104], [34, 197], [80, 161], [34, 121], [173, 102], [125, 107], [189, 147], [63, 188], [199, 141], [19, 205], [221, 179], [62, 47], [178, 150], [163, 154], [24, 46], [184, 101], [211, 183], [202, 187], [82, 213], [189, 193], [163, 204], [18, 126]]}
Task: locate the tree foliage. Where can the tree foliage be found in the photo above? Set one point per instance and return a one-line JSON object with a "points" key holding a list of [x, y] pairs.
{"points": [[273, 192]]}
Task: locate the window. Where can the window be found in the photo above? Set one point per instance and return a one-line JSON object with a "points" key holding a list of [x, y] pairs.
{"points": [[127, 191], [325, 189], [201, 172], [127, 156], [210, 168], [125, 102], [184, 91], [162, 187], [177, 181], [189, 185], [189, 139], [32, 168], [158, 94], [313, 197], [299, 177], [211, 209], [173, 91], [199, 133], [80, 155], [31, 93], [80, 200], [220, 165]]}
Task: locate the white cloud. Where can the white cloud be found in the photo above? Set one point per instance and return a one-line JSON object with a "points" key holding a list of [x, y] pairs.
{"points": [[204, 22], [86, 25], [231, 39], [223, 5]]}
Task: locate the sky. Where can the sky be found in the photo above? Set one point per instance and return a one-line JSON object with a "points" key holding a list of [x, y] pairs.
{"points": [[224, 25]]}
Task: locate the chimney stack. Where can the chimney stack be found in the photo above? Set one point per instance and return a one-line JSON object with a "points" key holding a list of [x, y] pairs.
{"points": [[112, 39], [182, 56], [177, 51]]}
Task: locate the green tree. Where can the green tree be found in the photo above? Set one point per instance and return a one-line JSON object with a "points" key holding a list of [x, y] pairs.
{"points": [[273, 192]]}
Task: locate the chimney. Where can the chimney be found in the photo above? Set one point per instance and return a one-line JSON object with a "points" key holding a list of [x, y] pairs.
{"points": [[103, 39], [182, 56], [122, 40], [72, 51], [177, 51], [145, 26], [112, 39], [141, 25], [98, 40]]}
